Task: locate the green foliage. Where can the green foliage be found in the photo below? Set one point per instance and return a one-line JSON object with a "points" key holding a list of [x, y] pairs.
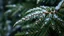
{"points": [[44, 18], [35, 20]]}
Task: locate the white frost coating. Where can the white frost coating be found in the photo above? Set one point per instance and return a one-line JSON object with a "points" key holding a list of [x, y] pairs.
{"points": [[18, 22], [27, 33], [17, 26], [36, 12], [59, 31], [60, 19], [38, 1], [43, 15], [44, 10], [8, 27], [23, 18], [45, 22], [9, 10], [36, 31], [55, 16], [50, 15], [19, 15], [27, 26], [36, 23], [14, 5], [43, 7], [11, 5], [40, 19], [32, 15], [47, 19], [29, 17], [59, 5], [52, 23], [37, 8]]}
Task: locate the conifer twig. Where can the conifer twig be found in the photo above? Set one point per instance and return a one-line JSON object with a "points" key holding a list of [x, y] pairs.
{"points": [[59, 5]]}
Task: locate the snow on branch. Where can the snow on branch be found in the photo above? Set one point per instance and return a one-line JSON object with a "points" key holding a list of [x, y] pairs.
{"points": [[38, 12], [59, 5]]}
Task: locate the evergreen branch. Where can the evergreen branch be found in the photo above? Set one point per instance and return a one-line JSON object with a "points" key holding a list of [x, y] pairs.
{"points": [[34, 14]]}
